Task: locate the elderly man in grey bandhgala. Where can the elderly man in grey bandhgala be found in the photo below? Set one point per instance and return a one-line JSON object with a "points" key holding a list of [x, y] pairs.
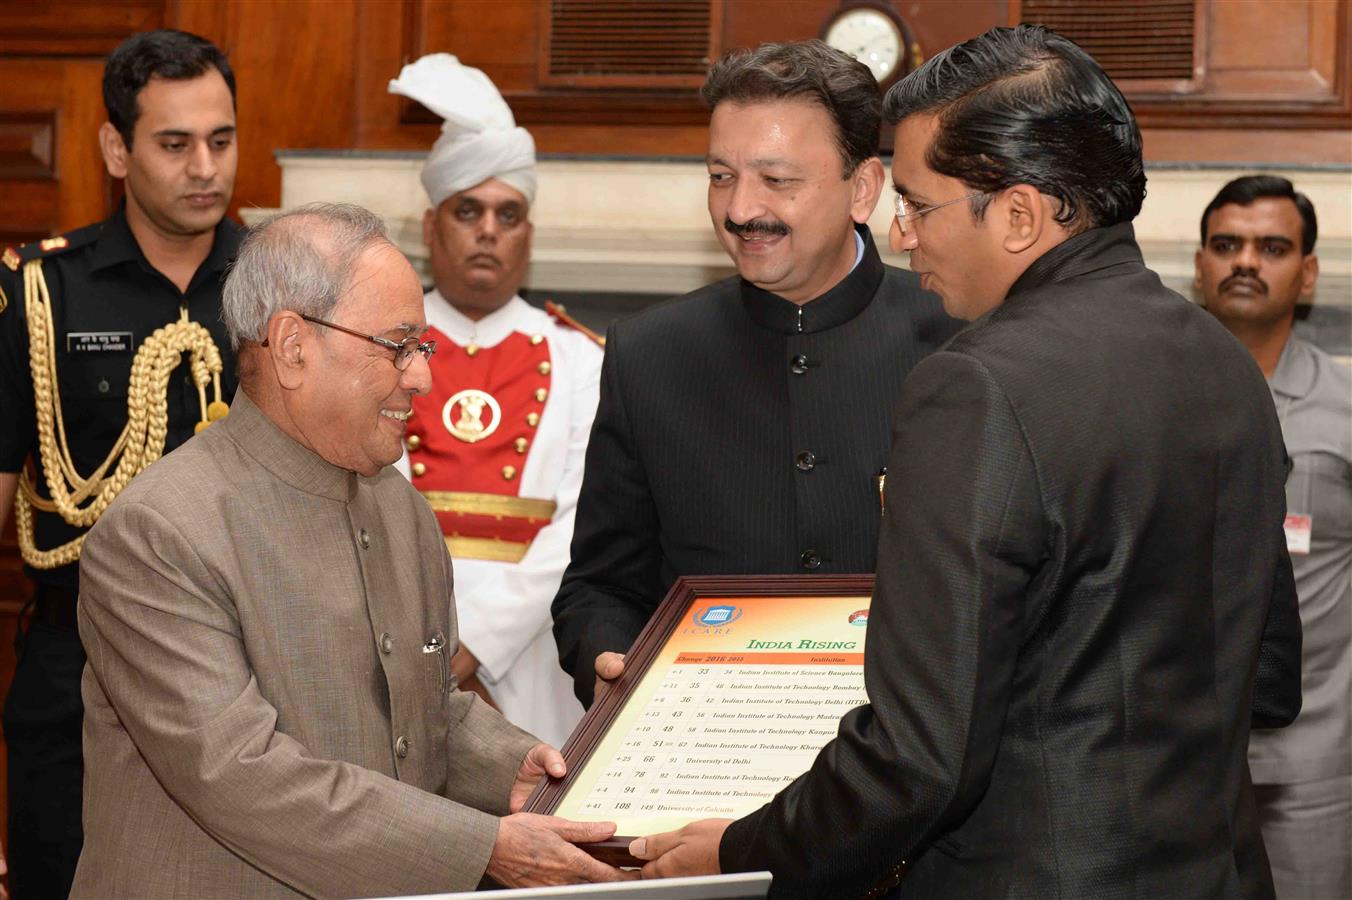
{"points": [[268, 616]]}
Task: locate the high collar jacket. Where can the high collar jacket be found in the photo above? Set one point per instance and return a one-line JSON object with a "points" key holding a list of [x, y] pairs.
{"points": [[1083, 603], [269, 706], [738, 433]]}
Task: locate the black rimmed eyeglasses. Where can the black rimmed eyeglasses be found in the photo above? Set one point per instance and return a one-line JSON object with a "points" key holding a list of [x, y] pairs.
{"points": [[403, 350]]}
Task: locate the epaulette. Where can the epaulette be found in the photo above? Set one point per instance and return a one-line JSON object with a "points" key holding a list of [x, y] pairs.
{"points": [[561, 316], [14, 257]]}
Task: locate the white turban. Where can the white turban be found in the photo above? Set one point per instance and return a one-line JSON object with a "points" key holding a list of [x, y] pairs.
{"points": [[479, 139]]}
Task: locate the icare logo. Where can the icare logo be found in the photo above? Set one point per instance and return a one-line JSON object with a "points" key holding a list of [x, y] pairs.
{"points": [[859, 617], [713, 616]]}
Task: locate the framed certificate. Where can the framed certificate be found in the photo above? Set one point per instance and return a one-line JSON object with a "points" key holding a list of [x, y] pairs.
{"points": [[727, 696]]}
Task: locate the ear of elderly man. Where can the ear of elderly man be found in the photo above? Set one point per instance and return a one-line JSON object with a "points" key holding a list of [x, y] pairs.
{"points": [[270, 706]]}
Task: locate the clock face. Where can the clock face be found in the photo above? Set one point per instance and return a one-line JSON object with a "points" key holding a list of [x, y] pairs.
{"points": [[870, 37]]}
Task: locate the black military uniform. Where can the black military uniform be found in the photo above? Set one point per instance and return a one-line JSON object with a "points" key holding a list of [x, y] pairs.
{"points": [[106, 299], [738, 433]]}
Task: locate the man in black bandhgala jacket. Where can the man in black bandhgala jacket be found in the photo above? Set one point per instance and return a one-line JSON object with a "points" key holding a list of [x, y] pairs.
{"points": [[743, 427]]}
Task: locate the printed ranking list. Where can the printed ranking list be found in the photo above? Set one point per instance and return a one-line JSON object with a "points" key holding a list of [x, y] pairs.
{"points": [[735, 704], [722, 733]]}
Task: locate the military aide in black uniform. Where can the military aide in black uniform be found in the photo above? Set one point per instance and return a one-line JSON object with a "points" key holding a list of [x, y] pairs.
{"points": [[112, 351], [742, 428]]}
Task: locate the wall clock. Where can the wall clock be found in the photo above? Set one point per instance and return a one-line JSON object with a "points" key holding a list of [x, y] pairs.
{"points": [[874, 34]]}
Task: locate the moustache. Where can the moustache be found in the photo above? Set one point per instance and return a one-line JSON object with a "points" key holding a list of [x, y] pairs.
{"points": [[1249, 279], [755, 226]]}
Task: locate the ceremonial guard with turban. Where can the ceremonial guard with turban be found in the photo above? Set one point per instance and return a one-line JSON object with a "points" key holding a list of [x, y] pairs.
{"points": [[497, 447]]}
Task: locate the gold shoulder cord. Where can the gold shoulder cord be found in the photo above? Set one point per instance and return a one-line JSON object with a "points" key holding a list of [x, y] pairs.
{"points": [[142, 439]]}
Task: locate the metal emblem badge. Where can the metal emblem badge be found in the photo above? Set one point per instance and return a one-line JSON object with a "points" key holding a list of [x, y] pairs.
{"points": [[463, 415]]}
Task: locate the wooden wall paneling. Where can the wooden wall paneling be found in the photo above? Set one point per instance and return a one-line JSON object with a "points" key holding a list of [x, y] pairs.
{"points": [[387, 39], [27, 145], [295, 78], [29, 105], [1296, 59], [504, 45], [939, 24], [289, 53], [28, 210], [1260, 146], [1257, 65], [52, 176], [1266, 66], [73, 27], [86, 193], [501, 42], [208, 18], [1330, 41], [507, 44], [747, 24]]}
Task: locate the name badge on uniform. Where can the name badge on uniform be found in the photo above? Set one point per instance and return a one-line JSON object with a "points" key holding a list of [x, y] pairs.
{"points": [[99, 342], [1298, 528]]}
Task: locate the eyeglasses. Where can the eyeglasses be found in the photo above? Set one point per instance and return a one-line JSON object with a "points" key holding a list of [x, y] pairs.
{"points": [[909, 212], [403, 350]]}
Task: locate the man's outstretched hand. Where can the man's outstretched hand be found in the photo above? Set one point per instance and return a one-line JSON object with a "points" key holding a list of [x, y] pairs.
{"points": [[692, 850]]}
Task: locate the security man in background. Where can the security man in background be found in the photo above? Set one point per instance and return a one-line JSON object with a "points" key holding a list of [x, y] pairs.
{"points": [[1256, 262], [498, 444], [108, 311]]}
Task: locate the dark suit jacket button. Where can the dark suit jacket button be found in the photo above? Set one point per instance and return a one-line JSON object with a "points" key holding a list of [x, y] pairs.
{"points": [[805, 461], [798, 365], [810, 560]]}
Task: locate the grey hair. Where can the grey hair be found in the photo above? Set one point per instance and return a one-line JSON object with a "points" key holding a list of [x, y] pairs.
{"points": [[299, 260]]}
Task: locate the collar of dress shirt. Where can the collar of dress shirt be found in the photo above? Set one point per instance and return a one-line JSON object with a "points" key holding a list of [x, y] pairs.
{"points": [[1296, 370], [489, 331], [116, 244], [277, 452], [836, 307]]}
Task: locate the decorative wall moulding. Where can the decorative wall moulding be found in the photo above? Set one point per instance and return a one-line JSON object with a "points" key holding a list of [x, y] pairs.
{"points": [[28, 145]]}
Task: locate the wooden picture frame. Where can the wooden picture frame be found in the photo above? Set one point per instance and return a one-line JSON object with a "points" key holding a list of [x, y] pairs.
{"points": [[661, 638]]}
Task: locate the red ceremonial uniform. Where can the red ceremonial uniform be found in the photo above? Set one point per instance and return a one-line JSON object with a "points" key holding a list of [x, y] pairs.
{"points": [[468, 439], [498, 447]]}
